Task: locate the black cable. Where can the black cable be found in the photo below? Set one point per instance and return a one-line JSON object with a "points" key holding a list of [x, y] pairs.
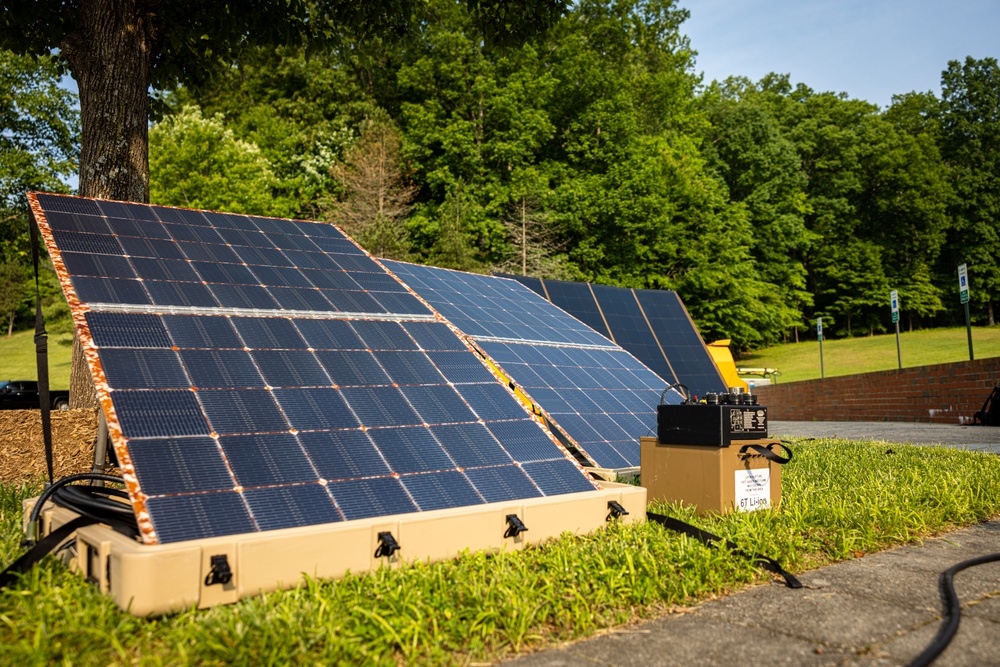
{"points": [[54, 487], [952, 611]]}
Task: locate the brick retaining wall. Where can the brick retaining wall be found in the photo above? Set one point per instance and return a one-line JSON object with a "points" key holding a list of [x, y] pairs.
{"points": [[940, 394]]}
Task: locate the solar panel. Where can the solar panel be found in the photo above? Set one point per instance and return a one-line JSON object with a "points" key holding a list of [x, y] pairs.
{"points": [[659, 326], [262, 374], [598, 394], [680, 340], [631, 329]]}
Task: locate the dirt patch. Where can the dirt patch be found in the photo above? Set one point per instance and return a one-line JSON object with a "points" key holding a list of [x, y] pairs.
{"points": [[22, 450]]}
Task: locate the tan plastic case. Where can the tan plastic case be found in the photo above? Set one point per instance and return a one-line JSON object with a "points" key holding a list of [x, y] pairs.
{"points": [[150, 580], [702, 476]]}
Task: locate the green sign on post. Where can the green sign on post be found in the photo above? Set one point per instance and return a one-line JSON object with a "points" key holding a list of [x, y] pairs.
{"points": [[894, 303], [963, 283], [819, 335]]}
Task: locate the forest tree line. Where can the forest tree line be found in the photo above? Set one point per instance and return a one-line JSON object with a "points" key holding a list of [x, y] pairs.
{"points": [[596, 153]]}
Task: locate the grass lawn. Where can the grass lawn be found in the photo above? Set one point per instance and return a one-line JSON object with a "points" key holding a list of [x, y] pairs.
{"points": [[841, 500], [17, 358], [846, 356]]}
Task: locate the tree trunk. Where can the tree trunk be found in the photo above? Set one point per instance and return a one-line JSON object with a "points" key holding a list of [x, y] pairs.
{"points": [[10, 324], [989, 312], [110, 57]]}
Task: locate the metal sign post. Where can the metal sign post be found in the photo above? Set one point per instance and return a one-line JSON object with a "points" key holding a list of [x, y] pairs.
{"points": [[963, 293], [894, 303], [819, 335]]}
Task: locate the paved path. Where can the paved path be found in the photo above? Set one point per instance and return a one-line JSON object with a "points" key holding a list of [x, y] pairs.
{"points": [[882, 609]]}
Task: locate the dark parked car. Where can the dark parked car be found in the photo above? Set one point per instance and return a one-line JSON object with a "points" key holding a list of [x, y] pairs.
{"points": [[23, 395]]}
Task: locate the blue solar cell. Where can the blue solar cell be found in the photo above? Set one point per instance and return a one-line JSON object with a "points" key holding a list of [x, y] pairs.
{"points": [[550, 400], [384, 336], [411, 449], [380, 406], [65, 204], [227, 274], [340, 455], [440, 490], [329, 334], [159, 414], [377, 282], [228, 220], [502, 483], [291, 506], [280, 276], [321, 231], [297, 298], [491, 401], [201, 331], [127, 330], [164, 269], [262, 256], [400, 303], [312, 260], [209, 252], [264, 333], [357, 262], [470, 445], [335, 245], [235, 411], [242, 237], [221, 369], [609, 430], [194, 233], [434, 336], [525, 440], [274, 225], [316, 409], [181, 215], [117, 209], [337, 280], [353, 302], [158, 248], [82, 264], [608, 453], [179, 518], [409, 367], [363, 498], [142, 369], [180, 294], [353, 368], [243, 296], [179, 465], [74, 222], [461, 367], [109, 290], [438, 404], [267, 460], [557, 477], [100, 244], [293, 241], [141, 228]]}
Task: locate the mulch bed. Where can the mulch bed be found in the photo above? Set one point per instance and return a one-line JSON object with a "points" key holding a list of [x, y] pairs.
{"points": [[22, 451]]}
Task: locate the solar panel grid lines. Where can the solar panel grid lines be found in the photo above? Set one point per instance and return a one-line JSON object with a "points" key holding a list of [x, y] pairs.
{"points": [[203, 401]]}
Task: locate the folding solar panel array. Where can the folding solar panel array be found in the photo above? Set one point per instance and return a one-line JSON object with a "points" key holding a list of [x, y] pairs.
{"points": [[261, 374], [651, 324], [599, 395]]}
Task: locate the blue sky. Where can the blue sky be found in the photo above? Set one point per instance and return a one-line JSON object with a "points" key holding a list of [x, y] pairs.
{"points": [[870, 49]]}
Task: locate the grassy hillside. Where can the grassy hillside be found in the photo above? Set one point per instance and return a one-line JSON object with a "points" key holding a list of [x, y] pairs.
{"points": [[17, 358], [800, 361]]}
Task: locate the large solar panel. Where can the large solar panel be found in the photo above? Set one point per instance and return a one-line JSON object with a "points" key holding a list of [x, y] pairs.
{"points": [[261, 374], [651, 324], [598, 394], [679, 337]]}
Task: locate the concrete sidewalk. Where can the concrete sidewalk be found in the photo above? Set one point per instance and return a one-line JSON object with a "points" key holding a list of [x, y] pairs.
{"points": [[882, 609]]}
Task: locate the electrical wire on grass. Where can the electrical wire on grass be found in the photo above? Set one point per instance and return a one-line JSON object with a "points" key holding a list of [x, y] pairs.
{"points": [[952, 610]]}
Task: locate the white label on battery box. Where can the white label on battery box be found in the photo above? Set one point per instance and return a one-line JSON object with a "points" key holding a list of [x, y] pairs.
{"points": [[753, 489]]}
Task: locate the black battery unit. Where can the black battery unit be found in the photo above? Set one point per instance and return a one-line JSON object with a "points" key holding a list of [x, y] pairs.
{"points": [[709, 425]]}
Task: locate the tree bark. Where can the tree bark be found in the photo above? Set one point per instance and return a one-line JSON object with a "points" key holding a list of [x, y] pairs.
{"points": [[111, 57]]}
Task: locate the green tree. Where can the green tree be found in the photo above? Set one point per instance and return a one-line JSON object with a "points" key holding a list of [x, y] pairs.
{"points": [[970, 128], [197, 162], [39, 134], [12, 291], [377, 198]]}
